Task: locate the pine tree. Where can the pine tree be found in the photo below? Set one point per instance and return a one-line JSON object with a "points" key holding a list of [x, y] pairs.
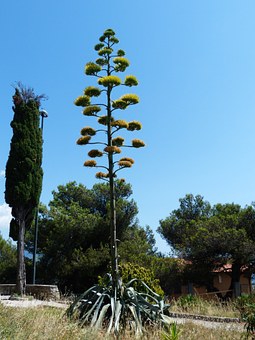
{"points": [[23, 171]]}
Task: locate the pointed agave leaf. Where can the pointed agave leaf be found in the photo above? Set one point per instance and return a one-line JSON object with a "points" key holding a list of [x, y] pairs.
{"points": [[112, 316], [118, 310], [137, 319], [97, 309], [102, 315], [166, 319], [75, 304], [94, 306]]}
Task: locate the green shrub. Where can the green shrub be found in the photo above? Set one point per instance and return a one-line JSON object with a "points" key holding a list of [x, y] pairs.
{"points": [[129, 271], [188, 301], [246, 306]]}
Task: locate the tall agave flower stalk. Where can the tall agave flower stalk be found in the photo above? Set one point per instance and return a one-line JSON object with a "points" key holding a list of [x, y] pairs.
{"points": [[98, 102], [105, 69]]}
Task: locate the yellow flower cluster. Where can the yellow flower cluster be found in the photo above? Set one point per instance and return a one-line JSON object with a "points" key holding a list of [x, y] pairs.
{"points": [[121, 124], [88, 131], [92, 91], [124, 101], [118, 141], [82, 101], [131, 81], [109, 81], [105, 51], [134, 125], [101, 175], [119, 104], [91, 110], [83, 140], [121, 64], [103, 120], [112, 149], [130, 98], [92, 68], [125, 164], [137, 143], [90, 163], [127, 159], [95, 153]]}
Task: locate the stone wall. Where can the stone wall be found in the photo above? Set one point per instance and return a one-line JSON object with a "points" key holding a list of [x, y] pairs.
{"points": [[41, 292]]}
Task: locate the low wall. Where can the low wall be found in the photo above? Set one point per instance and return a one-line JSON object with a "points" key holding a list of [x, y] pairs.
{"points": [[41, 292]]}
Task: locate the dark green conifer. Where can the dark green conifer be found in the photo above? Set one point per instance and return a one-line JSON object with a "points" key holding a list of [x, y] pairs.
{"points": [[23, 170]]}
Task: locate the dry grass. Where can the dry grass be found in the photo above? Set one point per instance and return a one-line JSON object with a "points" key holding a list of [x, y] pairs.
{"points": [[197, 305], [45, 323], [39, 323], [190, 331]]}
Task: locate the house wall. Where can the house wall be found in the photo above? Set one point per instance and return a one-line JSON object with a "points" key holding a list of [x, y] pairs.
{"points": [[222, 282]]}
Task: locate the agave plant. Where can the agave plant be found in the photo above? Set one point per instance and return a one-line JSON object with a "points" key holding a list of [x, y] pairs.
{"points": [[130, 311], [114, 306]]}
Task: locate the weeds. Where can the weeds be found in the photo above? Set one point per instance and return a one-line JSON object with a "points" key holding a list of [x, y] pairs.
{"points": [[171, 332], [246, 306], [44, 323], [196, 305]]}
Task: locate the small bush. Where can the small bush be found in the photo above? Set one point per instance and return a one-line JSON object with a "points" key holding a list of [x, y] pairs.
{"points": [[129, 271], [246, 306]]}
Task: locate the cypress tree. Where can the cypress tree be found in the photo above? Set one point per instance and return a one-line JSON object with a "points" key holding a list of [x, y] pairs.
{"points": [[23, 171]]}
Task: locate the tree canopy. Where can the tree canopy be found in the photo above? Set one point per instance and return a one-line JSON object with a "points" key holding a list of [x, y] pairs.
{"points": [[73, 240], [210, 236], [23, 170], [8, 261]]}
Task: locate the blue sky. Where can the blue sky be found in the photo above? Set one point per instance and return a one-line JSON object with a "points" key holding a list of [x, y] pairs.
{"points": [[195, 61]]}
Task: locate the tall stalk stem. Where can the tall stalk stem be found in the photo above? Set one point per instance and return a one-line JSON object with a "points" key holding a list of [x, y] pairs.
{"points": [[113, 224]]}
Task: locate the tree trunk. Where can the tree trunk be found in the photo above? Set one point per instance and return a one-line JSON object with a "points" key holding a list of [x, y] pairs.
{"points": [[21, 270], [235, 282]]}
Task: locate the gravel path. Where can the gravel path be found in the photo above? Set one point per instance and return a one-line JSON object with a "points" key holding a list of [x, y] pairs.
{"points": [[239, 327], [6, 301]]}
